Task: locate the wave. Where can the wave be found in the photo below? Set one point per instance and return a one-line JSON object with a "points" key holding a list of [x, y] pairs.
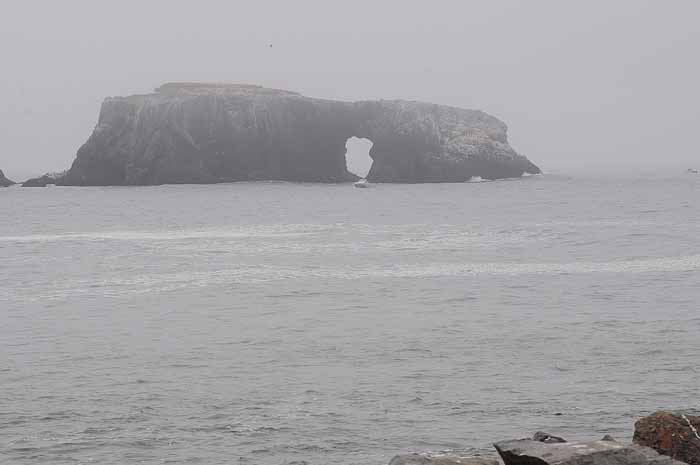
{"points": [[235, 232], [664, 264], [169, 282]]}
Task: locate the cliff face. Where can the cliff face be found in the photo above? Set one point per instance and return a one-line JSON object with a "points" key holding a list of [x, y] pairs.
{"points": [[422, 142], [196, 133], [4, 182]]}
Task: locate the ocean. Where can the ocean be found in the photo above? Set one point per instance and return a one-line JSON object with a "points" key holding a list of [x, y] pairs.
{"points": [[276, 323]]}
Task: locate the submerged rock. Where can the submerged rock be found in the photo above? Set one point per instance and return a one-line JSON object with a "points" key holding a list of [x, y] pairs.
{"points": [[4, 182], [208, 133], [674, 434], [441, 459], [606, 452]]}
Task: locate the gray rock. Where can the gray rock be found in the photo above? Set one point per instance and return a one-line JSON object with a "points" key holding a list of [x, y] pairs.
{"points": [[208, 133], [529, 452], [4, 182], [441, 459]]}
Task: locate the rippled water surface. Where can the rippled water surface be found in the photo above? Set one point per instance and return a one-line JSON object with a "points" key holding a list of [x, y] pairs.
{"points": [[274, 323]]}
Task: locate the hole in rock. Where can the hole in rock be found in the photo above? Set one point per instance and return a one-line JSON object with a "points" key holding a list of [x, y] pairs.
{"points": [[357, 156]]}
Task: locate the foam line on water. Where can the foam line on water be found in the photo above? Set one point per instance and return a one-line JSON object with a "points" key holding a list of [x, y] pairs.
{"points": [[167, 282], [220, 233]]}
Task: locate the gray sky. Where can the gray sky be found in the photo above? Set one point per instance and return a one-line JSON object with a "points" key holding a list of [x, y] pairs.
{"points": [[597, 83]]}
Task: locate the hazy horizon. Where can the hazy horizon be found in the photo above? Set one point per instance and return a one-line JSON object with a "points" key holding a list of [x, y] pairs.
{"points": [[594, 86]]}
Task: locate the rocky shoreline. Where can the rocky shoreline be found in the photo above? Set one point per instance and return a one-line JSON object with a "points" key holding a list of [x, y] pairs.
{"points": [[664, 438], [214, 133]]}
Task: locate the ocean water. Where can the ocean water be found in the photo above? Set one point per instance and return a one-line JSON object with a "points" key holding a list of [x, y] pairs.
{"points": [[275, 323]]}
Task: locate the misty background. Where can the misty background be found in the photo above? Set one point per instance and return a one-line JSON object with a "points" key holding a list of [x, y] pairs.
{"points": [[595, 85]]}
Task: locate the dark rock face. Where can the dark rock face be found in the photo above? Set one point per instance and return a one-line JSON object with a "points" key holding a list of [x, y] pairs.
{"points": [[441, 459], [674, 434], [530, 452], [4, 182], [208, 133]]}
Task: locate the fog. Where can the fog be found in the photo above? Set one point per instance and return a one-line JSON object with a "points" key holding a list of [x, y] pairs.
{"points": [[594, 85]]}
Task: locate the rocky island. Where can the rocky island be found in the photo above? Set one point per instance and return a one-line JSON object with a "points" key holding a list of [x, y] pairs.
{"points": [[4, 182], [212, 133]]}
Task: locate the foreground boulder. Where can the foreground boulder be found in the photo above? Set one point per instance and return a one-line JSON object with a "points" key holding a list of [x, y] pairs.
{"points": [[604, 452], [4, 182], [674, 434], [209, 133], [441, 459]]}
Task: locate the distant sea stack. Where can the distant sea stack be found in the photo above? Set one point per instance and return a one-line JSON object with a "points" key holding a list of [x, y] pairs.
{"points": [[211, 133], [4, 182]]}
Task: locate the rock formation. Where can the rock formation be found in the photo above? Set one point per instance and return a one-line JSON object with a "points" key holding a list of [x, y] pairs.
{"points": [[45, 180], [209, 133], [4, 182], [674, 434], [604, 452]]}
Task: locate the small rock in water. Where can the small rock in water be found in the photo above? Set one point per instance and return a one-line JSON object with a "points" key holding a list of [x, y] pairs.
{"points": [[674, 434], [546, 437], [441, 459]]}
